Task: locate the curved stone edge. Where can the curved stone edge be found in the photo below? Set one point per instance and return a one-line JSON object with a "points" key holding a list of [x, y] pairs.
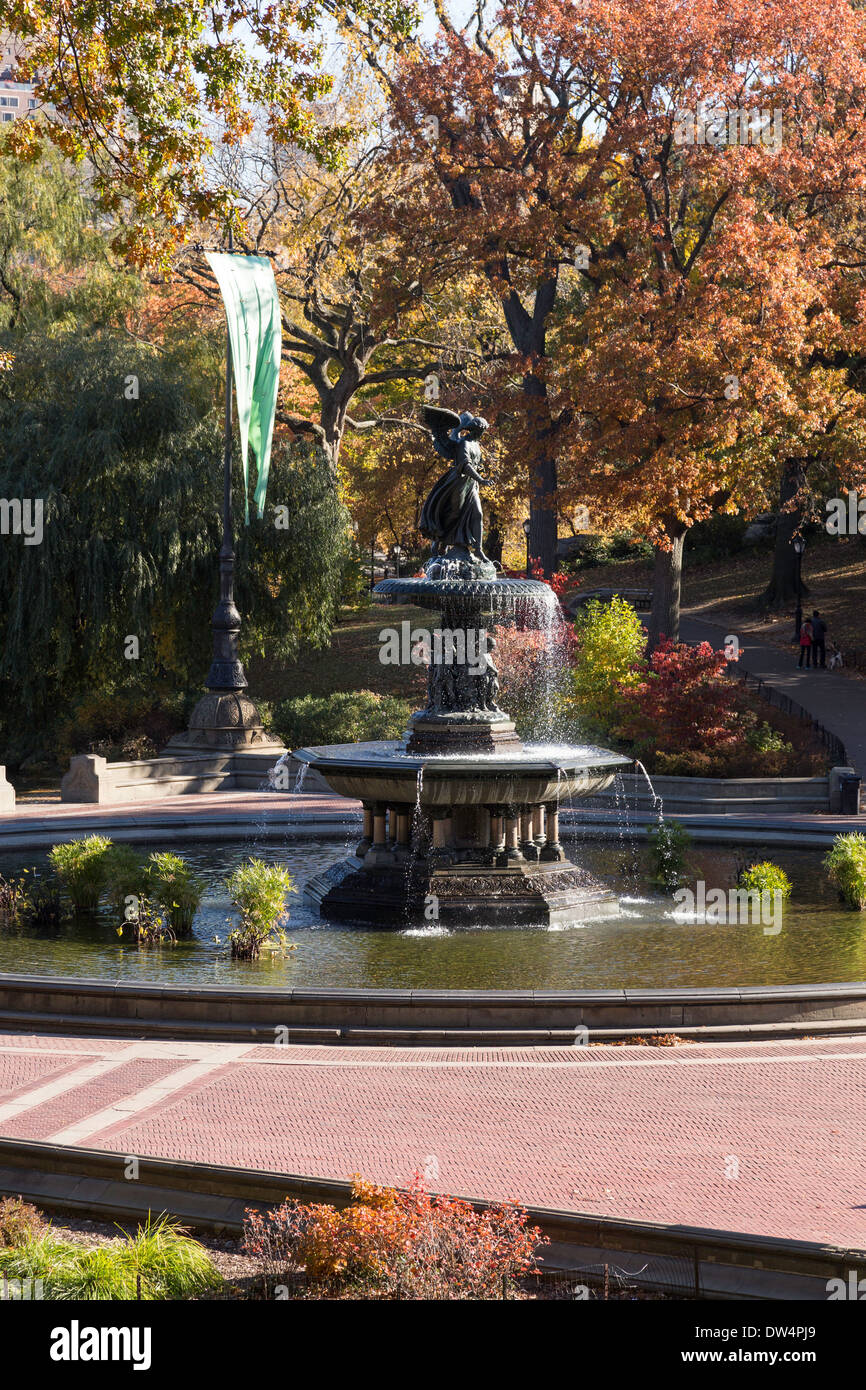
{"points": [[212, 1197], [19, 835], [439, 1017]]}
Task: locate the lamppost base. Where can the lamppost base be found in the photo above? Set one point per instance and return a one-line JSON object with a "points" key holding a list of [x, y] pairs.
{"points": [[225, 719]]}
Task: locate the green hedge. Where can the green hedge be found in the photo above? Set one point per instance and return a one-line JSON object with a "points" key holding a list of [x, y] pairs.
{"points": [[345, 716]]}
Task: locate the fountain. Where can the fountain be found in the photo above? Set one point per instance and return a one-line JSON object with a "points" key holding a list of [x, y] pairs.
{"points": [[460, 820]]}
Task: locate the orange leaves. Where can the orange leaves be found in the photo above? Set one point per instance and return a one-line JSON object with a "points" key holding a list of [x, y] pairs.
{"points": [[397, 1244]]}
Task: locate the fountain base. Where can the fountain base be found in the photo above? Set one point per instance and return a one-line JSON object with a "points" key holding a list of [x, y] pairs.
{"points": [[463, 895]]}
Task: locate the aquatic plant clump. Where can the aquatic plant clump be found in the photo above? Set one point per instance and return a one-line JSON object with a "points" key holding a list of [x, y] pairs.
{"points": [[82, 867], [846, 868], [259, 891], [766, 877]]}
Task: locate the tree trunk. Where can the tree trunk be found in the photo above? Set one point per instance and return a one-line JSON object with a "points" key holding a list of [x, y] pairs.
{"points": [[493, 540], [542, 478], [781, 591], [664, 618]]}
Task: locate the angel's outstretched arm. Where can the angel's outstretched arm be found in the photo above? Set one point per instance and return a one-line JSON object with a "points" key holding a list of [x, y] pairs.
{"points": [[467, 468]]}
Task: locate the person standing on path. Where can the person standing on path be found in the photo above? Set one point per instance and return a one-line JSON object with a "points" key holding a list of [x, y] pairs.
{"points": [[805, 643], [819, 634]]}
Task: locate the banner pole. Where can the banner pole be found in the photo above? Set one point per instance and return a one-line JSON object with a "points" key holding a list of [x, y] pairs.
{"points": [[227, 672]]}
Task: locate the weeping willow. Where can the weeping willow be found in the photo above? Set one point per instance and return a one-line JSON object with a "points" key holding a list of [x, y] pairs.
{"points": [[123, 445]]}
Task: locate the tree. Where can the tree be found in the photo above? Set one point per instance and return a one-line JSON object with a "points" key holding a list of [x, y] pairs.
{"points": [[360, 333], [494, 141], [705, 352], [143, 89], [551, 136], [121, 444]]}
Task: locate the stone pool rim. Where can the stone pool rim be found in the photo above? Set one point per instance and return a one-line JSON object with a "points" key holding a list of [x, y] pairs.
{"points": [[148, 825], [442, 1017]]}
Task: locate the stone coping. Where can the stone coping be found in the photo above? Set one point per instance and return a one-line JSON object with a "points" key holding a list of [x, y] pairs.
{"points": [[37, 826], [214, 1197], [429, 1016], [73, 984]]}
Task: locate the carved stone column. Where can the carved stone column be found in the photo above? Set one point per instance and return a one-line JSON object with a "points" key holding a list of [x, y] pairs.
{"points": [[553, 850], [511, 852], [441, 851], [366, 839], [379, 853], [528, 846]]}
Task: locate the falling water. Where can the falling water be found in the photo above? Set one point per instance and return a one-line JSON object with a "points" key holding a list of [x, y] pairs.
{"points": [[299, 780], [658, 804], [415, 840]]}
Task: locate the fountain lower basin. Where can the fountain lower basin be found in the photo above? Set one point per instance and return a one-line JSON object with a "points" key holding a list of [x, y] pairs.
{"points": [[460, 840], [383, 770]]}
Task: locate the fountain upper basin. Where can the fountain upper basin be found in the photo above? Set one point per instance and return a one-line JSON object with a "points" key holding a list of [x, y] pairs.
{"points": [[495, 595]]}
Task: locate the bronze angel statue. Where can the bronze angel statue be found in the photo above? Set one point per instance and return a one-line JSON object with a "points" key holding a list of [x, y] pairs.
{"points": [[451, 516]]}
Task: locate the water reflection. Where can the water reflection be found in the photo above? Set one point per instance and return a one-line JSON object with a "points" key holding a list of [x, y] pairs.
{"points": [[643, 947]]}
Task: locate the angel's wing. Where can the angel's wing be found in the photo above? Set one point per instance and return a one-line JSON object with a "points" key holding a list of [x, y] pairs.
{"points": [[440, 423]]}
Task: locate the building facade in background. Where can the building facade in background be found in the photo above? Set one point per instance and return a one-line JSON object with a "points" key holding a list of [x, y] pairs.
{"points": [[16, 98]]}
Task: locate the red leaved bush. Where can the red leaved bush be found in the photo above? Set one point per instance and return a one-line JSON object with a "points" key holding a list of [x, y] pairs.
{"points": [[682, 701], [558, 582], [393, 1244]]}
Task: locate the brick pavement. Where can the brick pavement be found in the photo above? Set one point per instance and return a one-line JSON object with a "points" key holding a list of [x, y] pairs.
{"points": [[630, 1132]]}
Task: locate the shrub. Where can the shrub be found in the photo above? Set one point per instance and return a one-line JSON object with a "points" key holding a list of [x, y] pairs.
{"points": [[160, 1261], [259, 891], [344, 716], [19, 1222], [126, 878], [13, 903], [846, 868], [121, 726], [609, 550], [740, 760], [610, 642], [765, 877], [716, 538], [765, 739], [44, 905], [682, 701], [82, 867], [176, 888], [668, 841], [392, 1244]]}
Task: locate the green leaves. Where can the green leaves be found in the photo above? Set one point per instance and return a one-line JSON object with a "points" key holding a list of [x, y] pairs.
{"points": [[147, 90]]}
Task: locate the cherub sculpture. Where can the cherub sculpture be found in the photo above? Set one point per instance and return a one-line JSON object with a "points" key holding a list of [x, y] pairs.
{"points": [[451, 516]]}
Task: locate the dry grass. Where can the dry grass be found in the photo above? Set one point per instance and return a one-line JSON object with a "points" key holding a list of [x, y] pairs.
{"points": [[351, 662]]}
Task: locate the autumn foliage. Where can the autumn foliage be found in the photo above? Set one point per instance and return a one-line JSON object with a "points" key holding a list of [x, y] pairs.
{"points": [[389, 1243], [682, 700]]}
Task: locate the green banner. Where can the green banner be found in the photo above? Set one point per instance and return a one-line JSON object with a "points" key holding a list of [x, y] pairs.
{"points": [[252, 307]]}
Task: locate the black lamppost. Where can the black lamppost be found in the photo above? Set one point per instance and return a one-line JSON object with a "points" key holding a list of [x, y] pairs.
{"points": [[799, 546], [226, 672], [226, 717], [372, 563], [526, 526], [398, 555]]}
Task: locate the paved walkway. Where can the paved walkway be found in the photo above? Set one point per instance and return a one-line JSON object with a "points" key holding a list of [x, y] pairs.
{"points": [[835, 700], [764, 1138]]}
